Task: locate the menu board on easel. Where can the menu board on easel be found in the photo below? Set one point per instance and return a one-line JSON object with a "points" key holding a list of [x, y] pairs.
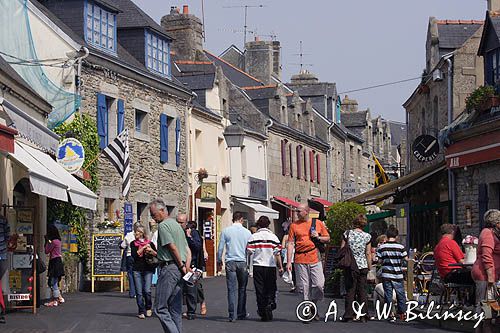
{"points": [[107, 257]]}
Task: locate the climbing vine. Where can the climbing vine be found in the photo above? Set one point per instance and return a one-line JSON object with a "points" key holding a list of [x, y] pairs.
{"points": [[82, 128]]}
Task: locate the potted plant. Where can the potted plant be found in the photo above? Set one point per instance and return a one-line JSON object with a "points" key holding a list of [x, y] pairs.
{"points": [[226, 180], [339, 218], [202, 174], [482, 99]]}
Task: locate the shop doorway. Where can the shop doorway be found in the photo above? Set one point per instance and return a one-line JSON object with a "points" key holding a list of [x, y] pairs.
{"points": [[206, 228]]}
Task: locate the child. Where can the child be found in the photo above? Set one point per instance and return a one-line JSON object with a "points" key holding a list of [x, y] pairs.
{"points": [[391, 256]]}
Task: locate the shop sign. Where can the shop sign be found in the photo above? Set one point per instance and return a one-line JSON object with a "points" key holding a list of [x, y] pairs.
{"points": [[349, 189], [128, 218], [208, 192], [315, 191], [257, 188], [207, 229], [71, 155], [425, 148], [19, 297]]}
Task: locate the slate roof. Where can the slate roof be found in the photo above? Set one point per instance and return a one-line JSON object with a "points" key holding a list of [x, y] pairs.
{"points": [[195, 75], [398, 132], [453, 34], [264, 92], [235, 75], [351, 134], [132, 16], [353, 119], [319, 89]]}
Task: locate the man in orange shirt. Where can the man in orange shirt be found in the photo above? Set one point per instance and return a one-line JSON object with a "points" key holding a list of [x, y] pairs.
{"points": [[308, 267]]}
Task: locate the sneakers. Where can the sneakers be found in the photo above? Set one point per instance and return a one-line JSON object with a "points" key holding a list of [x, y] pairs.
{"points": [[149, 313], [51, 304], [141, 316], [244, 317]]}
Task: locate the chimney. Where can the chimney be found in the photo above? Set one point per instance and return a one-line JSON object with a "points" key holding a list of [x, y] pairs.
{"points": [[187, 31], [494, 6], [262, 60]]}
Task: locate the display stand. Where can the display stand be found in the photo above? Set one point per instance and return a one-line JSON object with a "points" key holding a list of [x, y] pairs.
{"points": [[106, 257]]}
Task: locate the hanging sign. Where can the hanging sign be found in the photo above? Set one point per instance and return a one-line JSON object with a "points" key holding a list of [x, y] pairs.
{"points": [[71, 155], [128, 218]]}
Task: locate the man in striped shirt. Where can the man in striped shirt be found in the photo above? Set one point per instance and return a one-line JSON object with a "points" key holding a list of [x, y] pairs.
{"points": [[391, 256], [266, 250]]}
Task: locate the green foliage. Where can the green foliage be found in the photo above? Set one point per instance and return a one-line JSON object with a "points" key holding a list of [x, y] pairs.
{"points": [[84, 129], [339, 219], [478, 97]]}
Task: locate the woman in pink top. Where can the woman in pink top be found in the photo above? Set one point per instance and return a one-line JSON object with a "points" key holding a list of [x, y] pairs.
{"points": [[486, 269], [56, 267]]}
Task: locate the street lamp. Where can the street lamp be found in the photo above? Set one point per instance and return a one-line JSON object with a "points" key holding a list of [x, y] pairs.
{"points": [[234, 135]]}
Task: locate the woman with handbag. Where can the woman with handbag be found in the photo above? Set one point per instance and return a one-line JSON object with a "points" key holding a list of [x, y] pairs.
{"points": [[144, 253], [358, 242], [486, 269], [53, 247]]}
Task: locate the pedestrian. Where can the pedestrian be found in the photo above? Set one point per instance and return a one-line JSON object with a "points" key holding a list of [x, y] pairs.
{"points": [[302, 237], [194, 241], [175, 257], [143, 272], [391, 255], [153, 228], [265, 248], [486, 269], [284, 251], [234, 240], [53, 247], [356, 280], [129, 261]]}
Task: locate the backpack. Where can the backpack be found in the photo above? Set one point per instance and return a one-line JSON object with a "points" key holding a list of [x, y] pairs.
{"points": [[319, 245]]}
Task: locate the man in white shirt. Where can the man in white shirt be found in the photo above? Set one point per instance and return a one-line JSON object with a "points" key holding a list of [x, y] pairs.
{"points": [[129, 261]]}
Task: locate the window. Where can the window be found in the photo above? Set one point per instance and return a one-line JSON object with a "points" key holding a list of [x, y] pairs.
{"points": [[100, 28], [142, 212], [283, 157], [141, 122], [170, 138], [493, 67], [157, 54], [110, 118], [298, 154], [243, 161], [318, 168], [290, 160], [305, 164], [311, 164], [109, 208]]}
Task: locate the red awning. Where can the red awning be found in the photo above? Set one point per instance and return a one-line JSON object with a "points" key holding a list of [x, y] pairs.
{"points": [[288, 202], [7, 138], [475, 150], [324, 202]]}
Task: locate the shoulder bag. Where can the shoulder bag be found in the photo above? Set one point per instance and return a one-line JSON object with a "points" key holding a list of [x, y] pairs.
{"points": [[319, 245], [344, 258]]}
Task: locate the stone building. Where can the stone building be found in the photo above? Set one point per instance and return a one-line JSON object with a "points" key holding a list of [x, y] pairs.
{"points": [[127, 83]]}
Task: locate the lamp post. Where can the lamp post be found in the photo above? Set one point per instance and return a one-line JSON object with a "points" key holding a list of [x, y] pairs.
{"points": [[234, 135]]}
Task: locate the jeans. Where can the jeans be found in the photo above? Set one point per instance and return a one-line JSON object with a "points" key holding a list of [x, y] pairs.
{"points": [[54, 285], [400, 294], [237, 279], [168, 302], [355, 283], [142, 282], [129, 262]]}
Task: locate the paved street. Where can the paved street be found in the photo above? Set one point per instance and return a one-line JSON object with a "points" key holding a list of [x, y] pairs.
{"points": [[115, 312]]}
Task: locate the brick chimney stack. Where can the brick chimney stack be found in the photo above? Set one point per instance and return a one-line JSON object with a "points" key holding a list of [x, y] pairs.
{"points": [[262, 60], [187, 31]]}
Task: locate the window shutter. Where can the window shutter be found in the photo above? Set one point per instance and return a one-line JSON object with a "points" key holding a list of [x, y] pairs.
{"points": [[483, 203], [121, 116], [283, 158], [163, 138], [318, 169], [299, 161], [102, 123], [305, 164], [177, 141], [291, 160], [311, 164]]}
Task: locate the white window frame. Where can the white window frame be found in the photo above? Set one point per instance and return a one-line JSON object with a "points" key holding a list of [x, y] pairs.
{"points": [[99, 18]]}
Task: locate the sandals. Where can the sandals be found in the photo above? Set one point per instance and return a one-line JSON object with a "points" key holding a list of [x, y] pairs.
{"points": [[51, 304], [203, 309]]}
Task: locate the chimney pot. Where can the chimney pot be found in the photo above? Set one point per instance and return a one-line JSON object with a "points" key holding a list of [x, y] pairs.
{"points": [[185, 9], [257, 39]]}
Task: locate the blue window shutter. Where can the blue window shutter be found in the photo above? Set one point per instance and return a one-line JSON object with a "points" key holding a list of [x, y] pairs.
{"points": [[163, 138], [102, 123], [178, 141], [121, 116]]}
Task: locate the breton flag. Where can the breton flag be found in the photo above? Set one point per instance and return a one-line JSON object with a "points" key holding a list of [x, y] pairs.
{"points": [[380, 175], [118, 153]]}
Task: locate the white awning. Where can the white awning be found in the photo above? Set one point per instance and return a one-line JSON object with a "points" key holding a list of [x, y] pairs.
{"points": [[49, 179], [260, 209]]}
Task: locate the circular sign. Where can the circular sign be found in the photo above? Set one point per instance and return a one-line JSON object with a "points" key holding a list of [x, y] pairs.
{"points": [[425, 148], [70, 155]]}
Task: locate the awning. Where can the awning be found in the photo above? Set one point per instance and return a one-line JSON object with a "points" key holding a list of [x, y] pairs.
{"points": [[49, 179], [287, 202], [475, 150], [260, 209], [384, 191], [324, 202]]}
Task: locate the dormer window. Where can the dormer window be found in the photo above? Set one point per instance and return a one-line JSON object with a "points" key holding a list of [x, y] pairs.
{"points": [[157, 54], [100, 27]]}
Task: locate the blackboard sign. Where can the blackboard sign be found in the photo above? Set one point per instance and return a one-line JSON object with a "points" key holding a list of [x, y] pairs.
{"points": [[106, 255], [329, 258]]}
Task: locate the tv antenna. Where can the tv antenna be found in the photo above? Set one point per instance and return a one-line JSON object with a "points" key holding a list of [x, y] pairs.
{"points": [[301, 55], [246, 14]]}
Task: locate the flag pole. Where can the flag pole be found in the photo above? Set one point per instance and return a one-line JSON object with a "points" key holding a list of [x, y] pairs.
{"points": [[93, 160]]}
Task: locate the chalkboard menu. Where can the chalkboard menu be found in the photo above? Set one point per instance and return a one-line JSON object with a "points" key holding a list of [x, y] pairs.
{"points": [[329, 259], [106, 255]]}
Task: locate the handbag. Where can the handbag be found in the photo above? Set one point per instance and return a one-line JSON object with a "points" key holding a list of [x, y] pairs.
{"points": [[490, 305], [151, 260], [344, 258]]}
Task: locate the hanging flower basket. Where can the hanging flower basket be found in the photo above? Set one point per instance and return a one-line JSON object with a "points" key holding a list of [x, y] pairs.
{"points": [[202, 174], [108, 224], [226, 180]]}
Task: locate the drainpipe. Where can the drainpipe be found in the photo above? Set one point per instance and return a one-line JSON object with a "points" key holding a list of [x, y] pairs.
{"points": [[79, 72], [329, 165], [189, 159], [269, 124], [451, 175]]}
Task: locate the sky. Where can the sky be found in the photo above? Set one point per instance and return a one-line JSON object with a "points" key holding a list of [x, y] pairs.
{"points": [[354, 43]]}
